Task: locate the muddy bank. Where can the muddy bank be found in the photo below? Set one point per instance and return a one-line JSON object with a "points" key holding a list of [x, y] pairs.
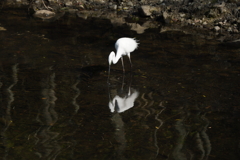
{"points": [[210, 18]]}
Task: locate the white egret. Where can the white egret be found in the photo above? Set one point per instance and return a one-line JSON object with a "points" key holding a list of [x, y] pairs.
{"points": [[124, 46]]}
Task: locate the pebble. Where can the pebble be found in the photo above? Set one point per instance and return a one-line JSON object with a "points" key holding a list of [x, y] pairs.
{"points": [[229, 29], [130, 4], [113, 6], [146, 10], [182, 15], [119, 7], [217, 28], [68, 3]]}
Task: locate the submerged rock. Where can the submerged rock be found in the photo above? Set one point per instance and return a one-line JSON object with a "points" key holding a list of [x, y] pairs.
{"points": [[44, 14], [2, 29], [48, 15]]}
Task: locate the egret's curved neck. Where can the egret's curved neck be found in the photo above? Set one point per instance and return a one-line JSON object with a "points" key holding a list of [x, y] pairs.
{"points": [[114, 58]]}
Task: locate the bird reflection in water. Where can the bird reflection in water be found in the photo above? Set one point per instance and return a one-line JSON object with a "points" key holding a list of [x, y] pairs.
{"points": [[123, 100], [121, 104]]}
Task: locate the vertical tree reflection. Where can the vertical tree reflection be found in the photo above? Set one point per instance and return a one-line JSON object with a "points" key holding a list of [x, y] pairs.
{"points": [[46, 143]]}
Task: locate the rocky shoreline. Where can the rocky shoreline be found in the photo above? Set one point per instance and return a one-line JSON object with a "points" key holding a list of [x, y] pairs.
{"points": [[219, 19]]}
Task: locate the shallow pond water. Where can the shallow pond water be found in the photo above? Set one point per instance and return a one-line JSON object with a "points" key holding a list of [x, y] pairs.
{"points": [[180, 101]]}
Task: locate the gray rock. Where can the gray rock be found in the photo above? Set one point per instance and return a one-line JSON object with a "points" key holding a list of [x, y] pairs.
{"points": [[147, 10], [129, 3], [69, 3], [165, 15], [2, 29], [182, 15], [229, 29], [217, 28], [44, 14], [213, 13], [114, 7]]}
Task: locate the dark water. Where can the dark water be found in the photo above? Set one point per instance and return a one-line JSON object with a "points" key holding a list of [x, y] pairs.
{"points": [[55, 97]]}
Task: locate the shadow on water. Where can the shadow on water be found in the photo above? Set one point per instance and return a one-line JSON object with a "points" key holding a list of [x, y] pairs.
{"points": [[181, 100]]}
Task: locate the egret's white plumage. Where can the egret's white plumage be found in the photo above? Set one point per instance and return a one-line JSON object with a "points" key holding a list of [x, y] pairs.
{"points": [[124, 46]]}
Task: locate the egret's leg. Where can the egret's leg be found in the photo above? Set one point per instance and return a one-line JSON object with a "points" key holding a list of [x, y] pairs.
{"points": [[109, 96], [129, 91], [130, 61], [123, 65], [130, 84], [123, 81], [108, 73]]}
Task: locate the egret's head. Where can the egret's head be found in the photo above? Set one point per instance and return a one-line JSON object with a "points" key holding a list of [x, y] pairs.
{"points": [[110, 58]]}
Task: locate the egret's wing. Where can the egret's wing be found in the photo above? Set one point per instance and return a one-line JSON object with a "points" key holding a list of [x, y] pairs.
{"points": [[127, 44]]}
